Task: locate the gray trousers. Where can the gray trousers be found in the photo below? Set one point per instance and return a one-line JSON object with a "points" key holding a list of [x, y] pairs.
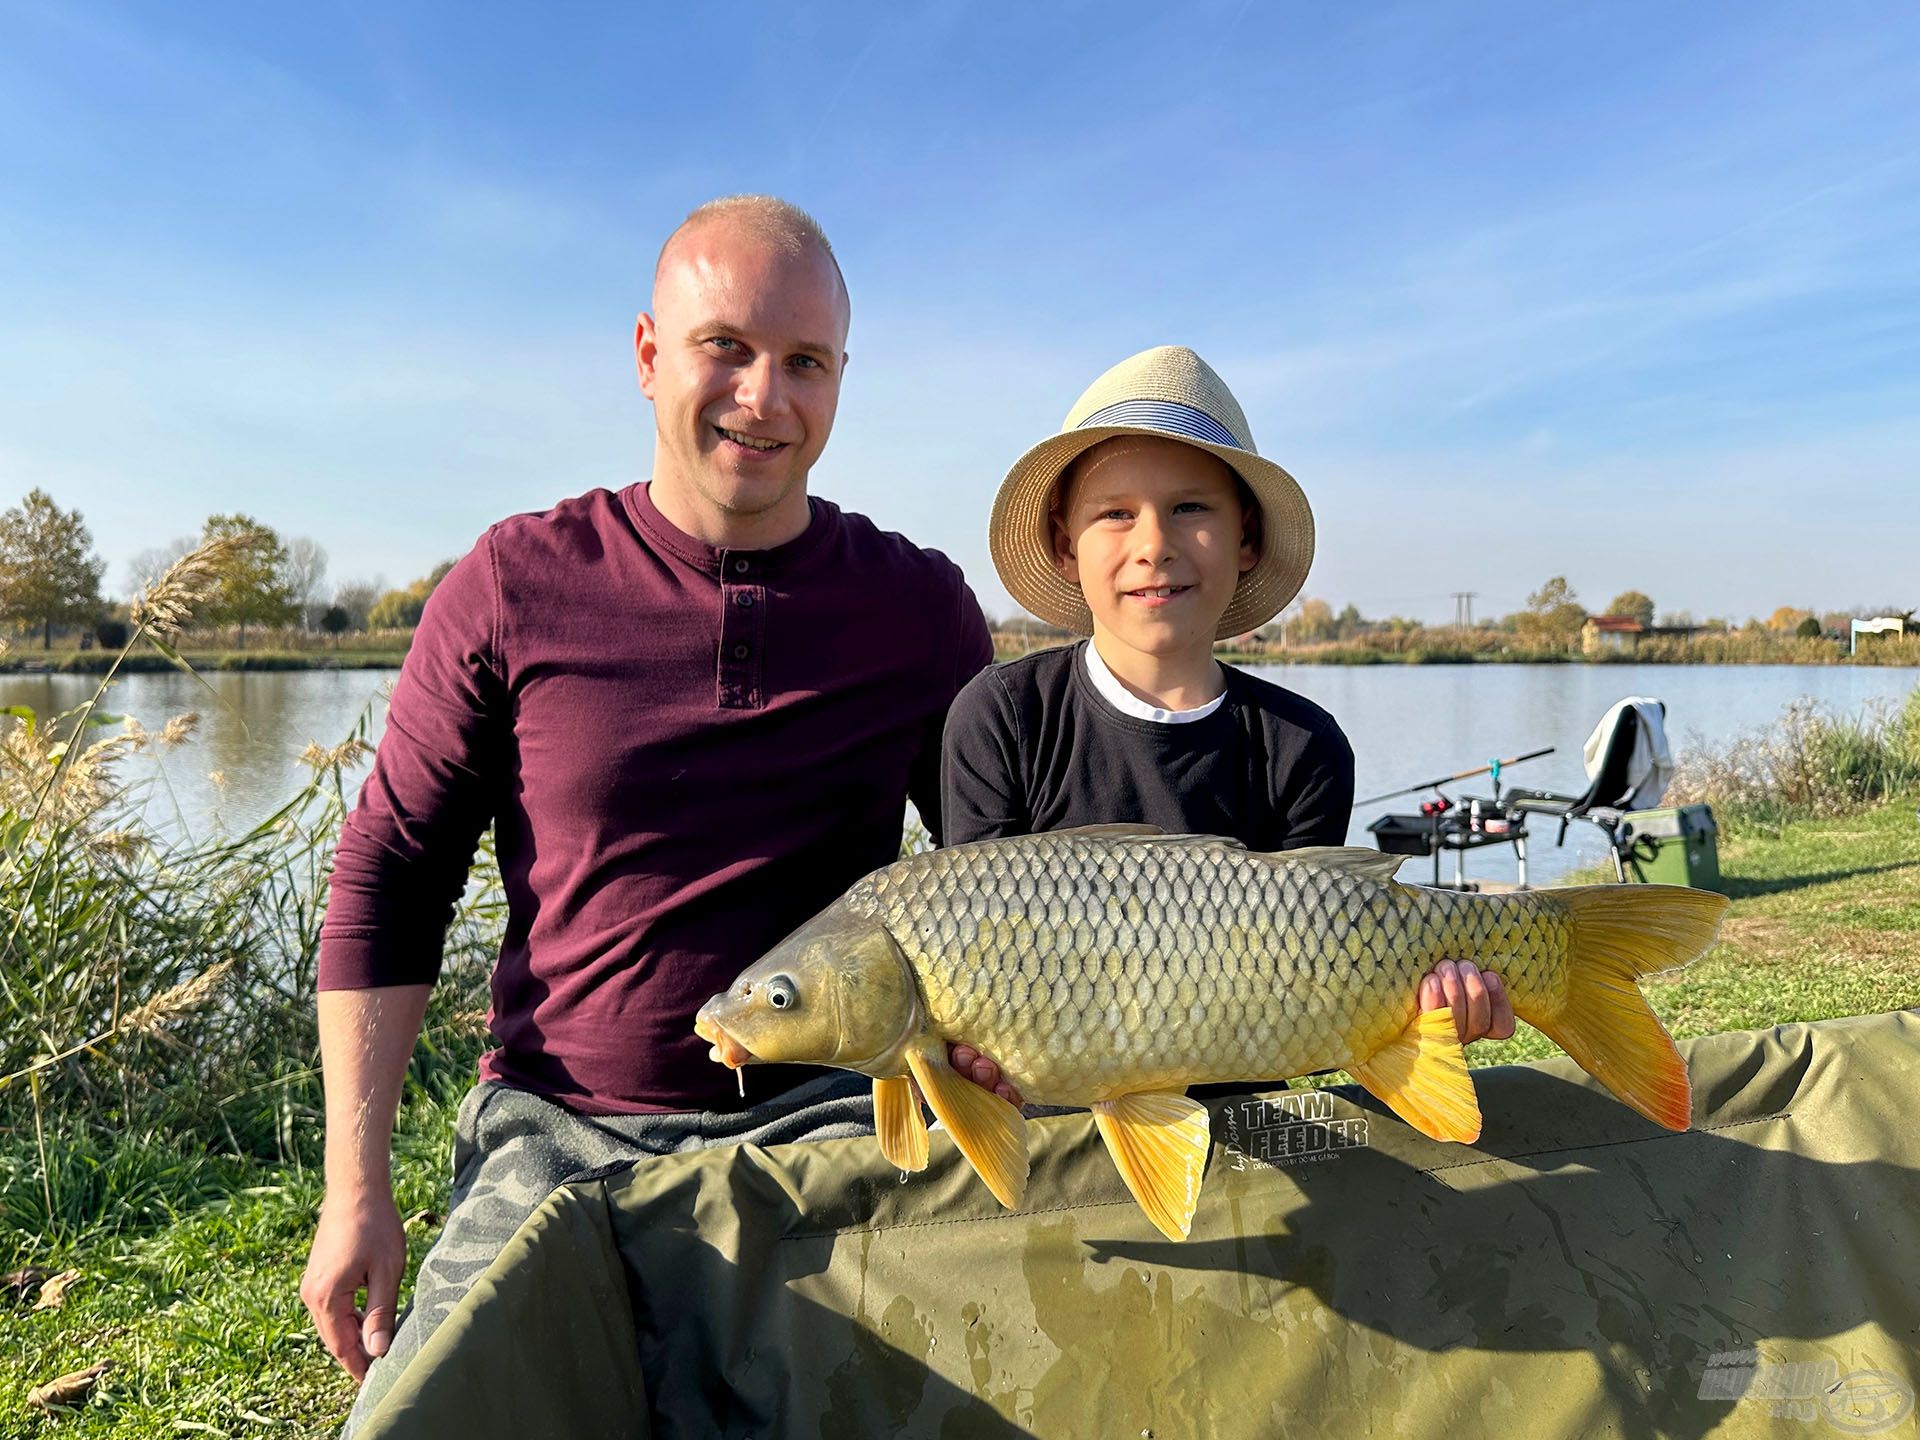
{"points": [[510, 1149]]}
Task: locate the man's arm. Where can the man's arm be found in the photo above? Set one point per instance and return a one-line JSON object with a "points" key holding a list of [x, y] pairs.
{"points": [[366, 1042], [397, 876]]}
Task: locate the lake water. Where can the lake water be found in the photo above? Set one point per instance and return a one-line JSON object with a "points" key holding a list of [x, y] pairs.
{"points": [[1408, 723]]}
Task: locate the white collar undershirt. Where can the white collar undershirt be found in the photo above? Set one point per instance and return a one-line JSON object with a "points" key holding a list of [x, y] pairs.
{"points": [[1127, 703]]}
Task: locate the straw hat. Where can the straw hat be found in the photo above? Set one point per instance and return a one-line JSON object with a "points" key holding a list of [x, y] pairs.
{"points": [[1171, 393]]}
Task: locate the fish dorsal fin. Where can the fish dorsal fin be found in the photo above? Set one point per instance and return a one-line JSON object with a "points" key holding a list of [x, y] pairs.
{"points": [[898, 1122], [1355, 859], [1159, 1141], [1150, 832], [1421, 1075], [991, 1133]]}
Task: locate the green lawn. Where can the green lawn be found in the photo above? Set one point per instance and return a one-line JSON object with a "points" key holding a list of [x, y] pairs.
{"points": [[207, 1336]]}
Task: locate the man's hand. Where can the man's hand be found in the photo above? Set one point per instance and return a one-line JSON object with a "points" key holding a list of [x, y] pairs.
{"points": [[358, 1244], [974, 1066], [1482, 1009], [366, 1037]]}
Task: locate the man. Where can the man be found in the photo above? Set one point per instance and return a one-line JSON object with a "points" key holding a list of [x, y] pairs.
{"points": [[693, 711]]}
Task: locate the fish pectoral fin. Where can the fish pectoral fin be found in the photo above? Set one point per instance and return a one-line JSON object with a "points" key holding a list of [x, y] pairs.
{"points": [[991, 1133], [899, 1123], [1159, 1141], [1422, 1077]]}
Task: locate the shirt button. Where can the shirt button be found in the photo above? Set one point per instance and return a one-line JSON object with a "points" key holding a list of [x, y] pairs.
{"points": [[741, 566], [739, 652], [743, 600]]}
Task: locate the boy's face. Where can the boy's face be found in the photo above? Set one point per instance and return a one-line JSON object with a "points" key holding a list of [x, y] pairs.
{"points": [[1153, 534]]}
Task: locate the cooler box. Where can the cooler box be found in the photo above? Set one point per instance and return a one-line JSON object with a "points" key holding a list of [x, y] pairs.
{"points": [[1676, 846]]}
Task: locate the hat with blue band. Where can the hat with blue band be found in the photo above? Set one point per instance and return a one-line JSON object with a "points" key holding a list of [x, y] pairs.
{"points": [[1169, 393]]}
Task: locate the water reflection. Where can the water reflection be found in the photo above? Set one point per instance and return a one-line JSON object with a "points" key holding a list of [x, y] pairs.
{"points": [[252, 729]]}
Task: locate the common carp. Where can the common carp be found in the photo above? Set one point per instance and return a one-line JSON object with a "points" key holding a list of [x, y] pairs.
{"points": [[1113, 966]]}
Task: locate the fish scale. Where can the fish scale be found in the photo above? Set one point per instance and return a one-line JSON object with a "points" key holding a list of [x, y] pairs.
{"points": [[1287, 969]]}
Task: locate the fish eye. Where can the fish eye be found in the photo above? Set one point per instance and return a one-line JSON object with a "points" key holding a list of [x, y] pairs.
{"points": [[781, 994]]}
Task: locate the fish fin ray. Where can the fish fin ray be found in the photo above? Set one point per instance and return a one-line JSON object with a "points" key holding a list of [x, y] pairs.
{"points": [[898, 1121], [1159, 1141], [1421, 1076], [1116, 830], [1620, 933], [1355, 859], [991, 1133]]}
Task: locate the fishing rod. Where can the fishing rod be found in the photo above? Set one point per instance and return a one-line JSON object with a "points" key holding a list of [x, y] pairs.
{"points": [[1492, 767]]}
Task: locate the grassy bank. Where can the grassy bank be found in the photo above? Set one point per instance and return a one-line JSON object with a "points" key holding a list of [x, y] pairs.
{"points": [[197, 1306], [1440, 647]]}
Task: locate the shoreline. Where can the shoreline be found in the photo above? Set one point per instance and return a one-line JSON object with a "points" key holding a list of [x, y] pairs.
{"points": [[98, 662]]}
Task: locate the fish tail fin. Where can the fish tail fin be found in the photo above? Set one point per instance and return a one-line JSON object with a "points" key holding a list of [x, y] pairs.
{"points": [[1619, 934]]}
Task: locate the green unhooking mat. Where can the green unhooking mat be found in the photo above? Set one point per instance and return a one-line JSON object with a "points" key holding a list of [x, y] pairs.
{"points": [[1578, 1272]]}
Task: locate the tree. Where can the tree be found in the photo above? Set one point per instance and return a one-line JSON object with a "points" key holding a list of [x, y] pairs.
{"points": [[1553, 615], [1314, 622], [1633, 603], [149, 565], [401, 609], [49, 574], [1349, 622], [1787, 617], [306, 567], [253, 588], [1808, 629], [335, 621], [357, 597]]}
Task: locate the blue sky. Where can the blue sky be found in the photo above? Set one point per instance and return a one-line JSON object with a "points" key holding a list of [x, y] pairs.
{"points": [[1629, 293]]}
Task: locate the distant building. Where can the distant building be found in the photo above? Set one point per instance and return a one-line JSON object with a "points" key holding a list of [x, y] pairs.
{"points": [[1880, 625], [1616, 633]]}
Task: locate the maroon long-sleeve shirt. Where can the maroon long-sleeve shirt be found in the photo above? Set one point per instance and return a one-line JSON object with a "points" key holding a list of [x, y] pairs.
{"points": [[687, 752]]}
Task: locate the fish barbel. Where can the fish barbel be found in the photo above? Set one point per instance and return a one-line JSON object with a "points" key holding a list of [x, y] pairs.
{"points": [[1113, 966]]}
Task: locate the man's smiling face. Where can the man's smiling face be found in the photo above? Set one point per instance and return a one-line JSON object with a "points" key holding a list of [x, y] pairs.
{"points": [[1153, 533], [742, 358]]}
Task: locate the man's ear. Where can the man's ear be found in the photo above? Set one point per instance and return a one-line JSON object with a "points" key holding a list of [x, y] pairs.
{"points": [[646, 351]]}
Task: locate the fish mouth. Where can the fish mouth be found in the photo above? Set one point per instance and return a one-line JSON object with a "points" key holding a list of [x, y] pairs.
{"points": [[726, 1050]]}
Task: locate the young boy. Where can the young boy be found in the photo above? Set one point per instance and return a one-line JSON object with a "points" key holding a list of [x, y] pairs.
{"points": [[1152, 524]]}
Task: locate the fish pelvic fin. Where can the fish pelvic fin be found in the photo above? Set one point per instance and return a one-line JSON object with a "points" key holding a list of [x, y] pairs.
{"points": [[1620, 933], [991, 1133], [899, 1123], [1421, 1075], [1159, 1141]]}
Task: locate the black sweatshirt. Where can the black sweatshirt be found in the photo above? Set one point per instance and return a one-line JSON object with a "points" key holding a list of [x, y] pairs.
{"points": [[1032, 746]]}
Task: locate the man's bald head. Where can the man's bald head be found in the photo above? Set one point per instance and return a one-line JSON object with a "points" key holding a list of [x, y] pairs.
{"points": [[775, 223]]}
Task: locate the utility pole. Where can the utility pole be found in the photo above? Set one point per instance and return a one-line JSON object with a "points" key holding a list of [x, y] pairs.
{"points": [[1463, 608]]}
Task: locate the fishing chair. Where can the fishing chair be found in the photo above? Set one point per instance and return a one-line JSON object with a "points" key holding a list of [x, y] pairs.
{"points": [[1628, 765]]}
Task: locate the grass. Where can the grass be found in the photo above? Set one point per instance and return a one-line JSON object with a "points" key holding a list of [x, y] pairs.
{"points": [[198, 1308]]}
